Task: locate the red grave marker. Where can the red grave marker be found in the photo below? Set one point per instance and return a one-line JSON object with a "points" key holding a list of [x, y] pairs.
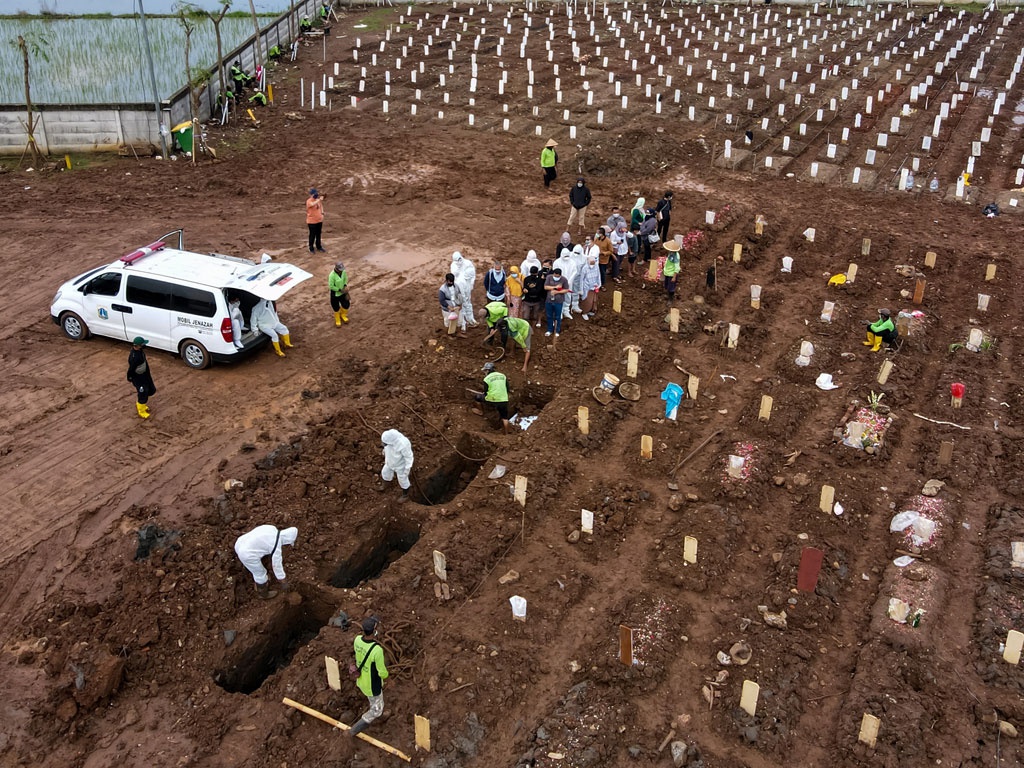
{"points": [[810, 566]]}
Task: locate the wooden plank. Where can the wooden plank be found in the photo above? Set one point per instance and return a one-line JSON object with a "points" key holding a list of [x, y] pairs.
{"points": [[341, 726], [828, 496], [865, 246], [632, 363], [692, 385], [625, 645], [737, 252], [617, 301], [945, 452], [990, 272], [810, 567], [919, 290], [734, 336], [1014, 644], [748, 698], [929, 259], [851, 273], [583, 419], [586, 521], [884, 371], [673, 320], [422, 726], [869, 730], [765, 411], [520, 490], [646, 446], [333, 673]]}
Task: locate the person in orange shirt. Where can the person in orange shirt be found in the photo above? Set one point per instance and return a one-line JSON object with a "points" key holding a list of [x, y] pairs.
{"points": [[315, 219]]}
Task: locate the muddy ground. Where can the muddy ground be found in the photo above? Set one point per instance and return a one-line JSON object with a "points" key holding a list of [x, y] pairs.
{"points": [[170, 660]]}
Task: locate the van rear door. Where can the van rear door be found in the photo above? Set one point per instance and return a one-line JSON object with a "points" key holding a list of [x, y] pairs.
{"points": [[269, 281]]}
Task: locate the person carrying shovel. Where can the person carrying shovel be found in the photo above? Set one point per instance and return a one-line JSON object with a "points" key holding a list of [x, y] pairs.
{"points": [[518, 330]]}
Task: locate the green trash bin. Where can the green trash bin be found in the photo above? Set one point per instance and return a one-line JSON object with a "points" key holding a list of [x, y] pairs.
{"points": [[183, 136]]}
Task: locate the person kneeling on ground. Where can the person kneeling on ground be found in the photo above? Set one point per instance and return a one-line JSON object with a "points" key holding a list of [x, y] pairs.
{"points": [[519, 331], [261, 541], [882, 330], [496, 393]]}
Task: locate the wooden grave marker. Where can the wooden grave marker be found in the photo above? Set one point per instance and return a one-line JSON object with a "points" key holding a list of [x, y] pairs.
{"points": [[990, 273], [869, 730], [652, 270], [884, 371], [755, 296], [748, 697], [810, 567], [737, 252], [865, 247], [617, 301], [646, 446], [440, 565], [709, 217], [632, 362], [673, 320], [765, 411], [692, 385], [759, 222], [929, 259], [422, 726], [625, 645], [586, 521], [983, 300], [828, 497], [583, 419], [690, 550], [919, 290], [1014, 644], [333, 673], [520, 490], [945, 452], [733, 337], [851, 273]]}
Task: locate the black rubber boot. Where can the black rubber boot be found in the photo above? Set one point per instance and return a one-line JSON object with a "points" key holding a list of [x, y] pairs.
{"points": [[360, 726]]}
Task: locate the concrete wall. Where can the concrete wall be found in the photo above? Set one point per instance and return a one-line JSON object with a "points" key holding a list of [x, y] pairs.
{"points": [[106, 127]]}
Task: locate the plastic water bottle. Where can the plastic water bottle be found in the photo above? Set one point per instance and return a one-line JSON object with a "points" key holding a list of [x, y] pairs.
{"points": [[910, 182], [933, 185]]}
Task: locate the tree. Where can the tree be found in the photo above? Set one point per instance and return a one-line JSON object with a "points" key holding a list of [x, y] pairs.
{"points": [[217, 18], [257, 49], [35, 45], [189, 16]]}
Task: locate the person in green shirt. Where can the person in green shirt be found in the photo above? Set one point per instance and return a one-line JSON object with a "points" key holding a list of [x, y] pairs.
{"points": [[496, 393], [369, 660], [519, 331], [337, 283], [492, 313], [259, 99], [548, 159], [881, 330], [671, 269]]}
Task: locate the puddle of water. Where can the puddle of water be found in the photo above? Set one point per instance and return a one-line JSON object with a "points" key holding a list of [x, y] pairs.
{"points": [[399, 259]]}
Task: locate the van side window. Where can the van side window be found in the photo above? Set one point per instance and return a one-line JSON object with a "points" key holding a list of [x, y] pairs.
{"points": [[108, 284], [193, 301], [148, 292]]}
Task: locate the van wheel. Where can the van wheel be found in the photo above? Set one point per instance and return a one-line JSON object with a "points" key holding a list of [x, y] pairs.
{"points": [[194, 354], [74, 327]]}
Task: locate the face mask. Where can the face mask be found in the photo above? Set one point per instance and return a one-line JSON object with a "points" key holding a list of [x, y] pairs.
{"points": [[579, 183]]}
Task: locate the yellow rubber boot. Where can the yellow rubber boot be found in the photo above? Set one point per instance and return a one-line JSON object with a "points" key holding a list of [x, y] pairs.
{"points": [[143, 413], [277, 349], [870, 341], [337, 319], [344, 315], [878, 344], [287, 339]]}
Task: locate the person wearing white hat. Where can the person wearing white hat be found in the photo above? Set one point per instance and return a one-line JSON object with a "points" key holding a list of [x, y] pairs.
{"points": [[261, 541], [548, 160], [465, 279]]}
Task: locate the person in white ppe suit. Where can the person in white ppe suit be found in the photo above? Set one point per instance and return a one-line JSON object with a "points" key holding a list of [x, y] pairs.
{"points": [[567, 263], [397, 460], [237, 321], [531, 261], [580, 254], [261, 541], [465, 278], [265, 319]]}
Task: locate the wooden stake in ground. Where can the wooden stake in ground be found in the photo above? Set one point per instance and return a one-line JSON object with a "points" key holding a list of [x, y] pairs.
{"points": [[652, 270], [929, 259], [646, 446], [583, 419], [919, 290], [632, 362], [851, 273], [673, 320], [748, 698], [422, 726], [617, 301], [520, 490], [733, 337], [810, 567], [625, 645], [586, 521], [765, 412], [440, 565], [341, 726], [333, 673], [692, 385], [737, 252], [690, 550], [828, 497], [759, 222], [990, 273], [884, 371], [1014, 644], [865, 247], [869, 725], [945, 452]]}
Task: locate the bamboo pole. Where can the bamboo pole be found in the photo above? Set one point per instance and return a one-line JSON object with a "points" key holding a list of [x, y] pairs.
{"points": [[340, 725]]}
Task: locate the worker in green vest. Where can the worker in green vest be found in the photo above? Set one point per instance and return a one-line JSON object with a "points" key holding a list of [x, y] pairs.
{"points": [[258, 99], [496, 393], [491, 313], [519, 331], [881, 330], [369, 666]]}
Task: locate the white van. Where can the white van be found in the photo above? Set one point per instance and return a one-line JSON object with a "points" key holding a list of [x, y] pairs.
{"points": [[176, 299]]}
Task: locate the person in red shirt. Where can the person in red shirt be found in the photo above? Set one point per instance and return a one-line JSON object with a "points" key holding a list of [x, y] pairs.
{"points": [[315, 219]]}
